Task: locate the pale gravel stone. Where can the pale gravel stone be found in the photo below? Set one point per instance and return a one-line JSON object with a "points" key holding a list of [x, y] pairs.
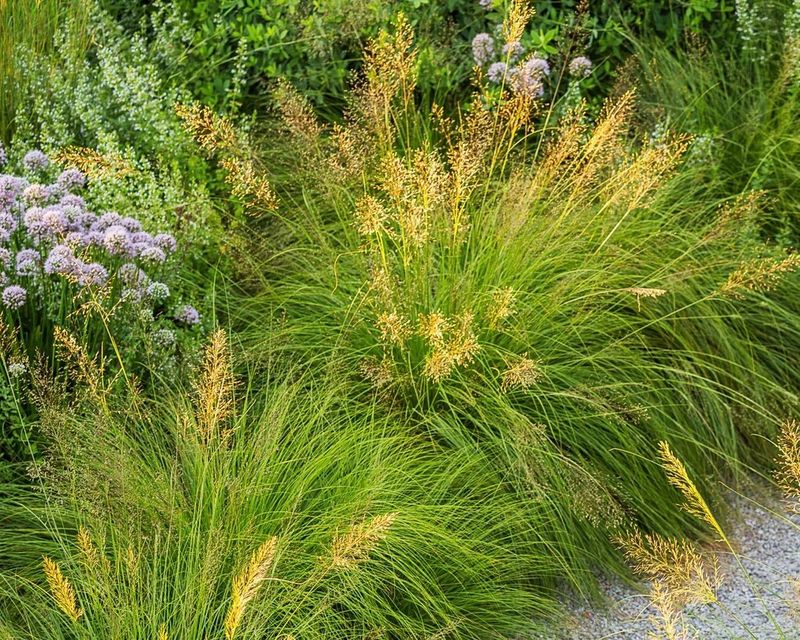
{"points": [[769, 550]]}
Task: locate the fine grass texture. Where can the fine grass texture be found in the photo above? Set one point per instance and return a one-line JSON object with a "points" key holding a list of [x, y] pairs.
{"points": [[230, 512]]}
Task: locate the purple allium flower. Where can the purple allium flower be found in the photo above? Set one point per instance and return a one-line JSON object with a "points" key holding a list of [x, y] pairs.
{"points": [[71, 179], [10, 189], [165, 241], [60, 261], [71, 200], [27, 262], [153, 254], [523, 83], [3, 156], [187, 315], [32, 219], [141, 237], [93, 274], [53, 221], [482, 48], [107, 220], [86, 220], [76, 239], [4, 279], [537, 67], [35, 194], [512, 51], [131, 224], [94, 239], [14, 296], [117, 240], [164, 338], [580, 67], [54, 192], [496, 72], [35, 160], [158, 291], [5, 258]]}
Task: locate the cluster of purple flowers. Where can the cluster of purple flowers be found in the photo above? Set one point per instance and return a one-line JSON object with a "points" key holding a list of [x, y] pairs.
{"points": [[528, 77], [48, 230]]}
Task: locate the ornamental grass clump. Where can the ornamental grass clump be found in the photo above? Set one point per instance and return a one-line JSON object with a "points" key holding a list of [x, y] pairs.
{"points": [[307, 520], [485, 280]]}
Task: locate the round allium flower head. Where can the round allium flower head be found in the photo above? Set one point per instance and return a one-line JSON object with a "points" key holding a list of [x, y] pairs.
{"points": [[10, 189], [17, 369], [4, 279], [35, 160], [3, 156], [108, 219], [60, 261], [482, 48], [496, 72], [8, 222], [76, 240], [512, 51], [116, 240], [71, 200], [14, 296], [187, 315], [86, 220], [580, 67], [164, 338], [153, 254], [526, 84], [93, 274], [5, 258], [70, 179], [537, 66], [141, 237], [165, 241], [158, 291], [35, 194], [131, 224], [28, 262], [53, 221]]}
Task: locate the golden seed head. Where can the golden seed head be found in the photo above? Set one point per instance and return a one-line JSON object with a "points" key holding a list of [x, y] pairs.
{"points": [[678, 477], [248, 183], [213, 133], [502, 306], [432, 327], [247, 583], [519, 14], [394, 328], [370, 216], [214, 388], [788, 472], [94, 164], [685, 575], [355, 545], [644, 292], [61, 589], [762, 274], [88, 548], [524, 373]]}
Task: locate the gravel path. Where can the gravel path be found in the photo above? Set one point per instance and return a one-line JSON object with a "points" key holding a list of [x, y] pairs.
{"points": [[770, 552]]}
